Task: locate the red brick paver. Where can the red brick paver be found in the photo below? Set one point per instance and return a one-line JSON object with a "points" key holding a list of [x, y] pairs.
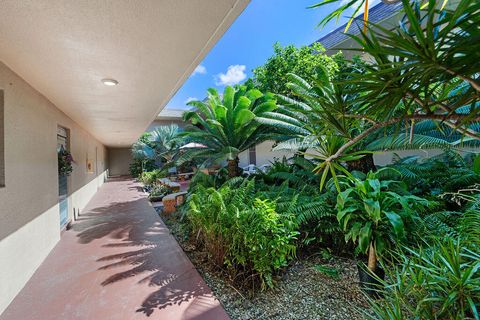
{"points": [[118, 262]]}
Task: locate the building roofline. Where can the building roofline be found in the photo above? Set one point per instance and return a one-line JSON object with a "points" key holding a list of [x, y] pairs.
{"points": [[373, 12]]}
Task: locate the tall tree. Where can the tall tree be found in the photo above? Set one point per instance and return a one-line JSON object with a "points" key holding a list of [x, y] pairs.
{"points": [[273, 75]]}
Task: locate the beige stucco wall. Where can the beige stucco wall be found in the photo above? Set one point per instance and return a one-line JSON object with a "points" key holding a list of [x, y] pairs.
{"points": [[264, 154], [119, 160], [29, 211]]}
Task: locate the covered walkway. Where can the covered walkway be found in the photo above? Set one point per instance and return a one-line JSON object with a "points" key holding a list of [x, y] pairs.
{"points": [[117, 262]]}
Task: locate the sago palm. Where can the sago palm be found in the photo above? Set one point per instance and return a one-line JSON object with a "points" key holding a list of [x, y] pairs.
{"points": [[224, 126]]}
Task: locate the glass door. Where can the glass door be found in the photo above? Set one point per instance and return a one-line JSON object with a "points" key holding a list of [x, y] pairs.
{"points": [[62, 143]]}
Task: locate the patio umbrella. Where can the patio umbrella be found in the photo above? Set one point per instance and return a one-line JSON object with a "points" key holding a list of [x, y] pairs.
{"points": [[192, 145]]}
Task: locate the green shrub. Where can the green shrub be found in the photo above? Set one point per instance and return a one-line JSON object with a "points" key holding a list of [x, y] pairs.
{"points": [[315, 213], [208, 180], [142, 159], [243, 233], [150, 177], [138, 166], [296, 171], [373, 212], [439, 281], [447, 172], [441, 223]]}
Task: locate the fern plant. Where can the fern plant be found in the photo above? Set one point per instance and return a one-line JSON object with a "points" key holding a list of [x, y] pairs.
{"points": [[243, 233], [446, 172], [296, 171]]}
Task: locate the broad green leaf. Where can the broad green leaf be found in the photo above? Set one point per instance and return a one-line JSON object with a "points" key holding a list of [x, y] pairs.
{"points": [[228, 96], [379, 245], [220, 112], [253, 94], [372, 207], [242, 103], [214, 122], [364, 237], [342, 213], [355, 230], [397, 224], [265, 107], [476, 164], [375, 184], [243, 117], [342, 197]]}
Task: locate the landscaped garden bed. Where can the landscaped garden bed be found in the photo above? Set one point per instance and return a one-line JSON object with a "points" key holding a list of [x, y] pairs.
{"points": [[319, 286], [284, 242]]}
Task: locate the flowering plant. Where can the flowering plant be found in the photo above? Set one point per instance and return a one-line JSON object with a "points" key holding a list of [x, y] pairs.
{"points": [[65, 161]]}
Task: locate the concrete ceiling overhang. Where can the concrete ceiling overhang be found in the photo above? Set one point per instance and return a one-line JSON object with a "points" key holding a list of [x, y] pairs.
{"points": [[64, 48]]}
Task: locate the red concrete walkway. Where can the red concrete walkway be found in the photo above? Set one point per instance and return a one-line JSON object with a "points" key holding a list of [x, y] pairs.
{"points": [[118, 262]]}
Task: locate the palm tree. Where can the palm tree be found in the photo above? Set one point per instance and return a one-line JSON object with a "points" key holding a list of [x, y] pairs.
{"points": [[166, 142], [143, 153], [227, 125], [162, 144]]}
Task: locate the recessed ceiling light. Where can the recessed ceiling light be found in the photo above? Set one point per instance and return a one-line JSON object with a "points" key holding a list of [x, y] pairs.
{"points": [[109, 82]]}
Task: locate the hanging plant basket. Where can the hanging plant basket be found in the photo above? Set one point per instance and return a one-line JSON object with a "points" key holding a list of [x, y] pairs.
{"points": [[65, 162]]}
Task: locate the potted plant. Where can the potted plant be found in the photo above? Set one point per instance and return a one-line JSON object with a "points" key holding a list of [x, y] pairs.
{"points": [[373, 213], [158, 191]]}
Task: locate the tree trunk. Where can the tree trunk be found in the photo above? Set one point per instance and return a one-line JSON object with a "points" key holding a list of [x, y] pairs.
{"points": [[372, 258], [364, 164], [233, 168]]}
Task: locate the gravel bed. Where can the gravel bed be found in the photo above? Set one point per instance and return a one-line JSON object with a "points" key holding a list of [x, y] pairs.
{"points": [[302, 291]]}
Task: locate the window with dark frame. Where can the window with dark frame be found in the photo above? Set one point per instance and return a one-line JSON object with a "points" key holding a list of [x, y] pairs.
{"points": [[2, 140]]}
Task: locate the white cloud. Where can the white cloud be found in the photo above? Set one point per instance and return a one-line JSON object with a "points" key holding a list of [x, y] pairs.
{"points": [[190, 99], [235, 74], [199, 70]]}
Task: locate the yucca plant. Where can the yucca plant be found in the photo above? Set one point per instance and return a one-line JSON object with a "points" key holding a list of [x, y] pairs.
{"points": [[425, 69], [440, 280], [324, 127]]}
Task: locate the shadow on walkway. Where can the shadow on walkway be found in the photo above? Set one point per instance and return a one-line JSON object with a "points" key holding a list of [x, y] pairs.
{"points": [[149, 254], [120, 259]]}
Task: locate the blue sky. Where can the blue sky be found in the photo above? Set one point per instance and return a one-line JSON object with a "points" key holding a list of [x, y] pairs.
{"points": [[249, 42]]}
